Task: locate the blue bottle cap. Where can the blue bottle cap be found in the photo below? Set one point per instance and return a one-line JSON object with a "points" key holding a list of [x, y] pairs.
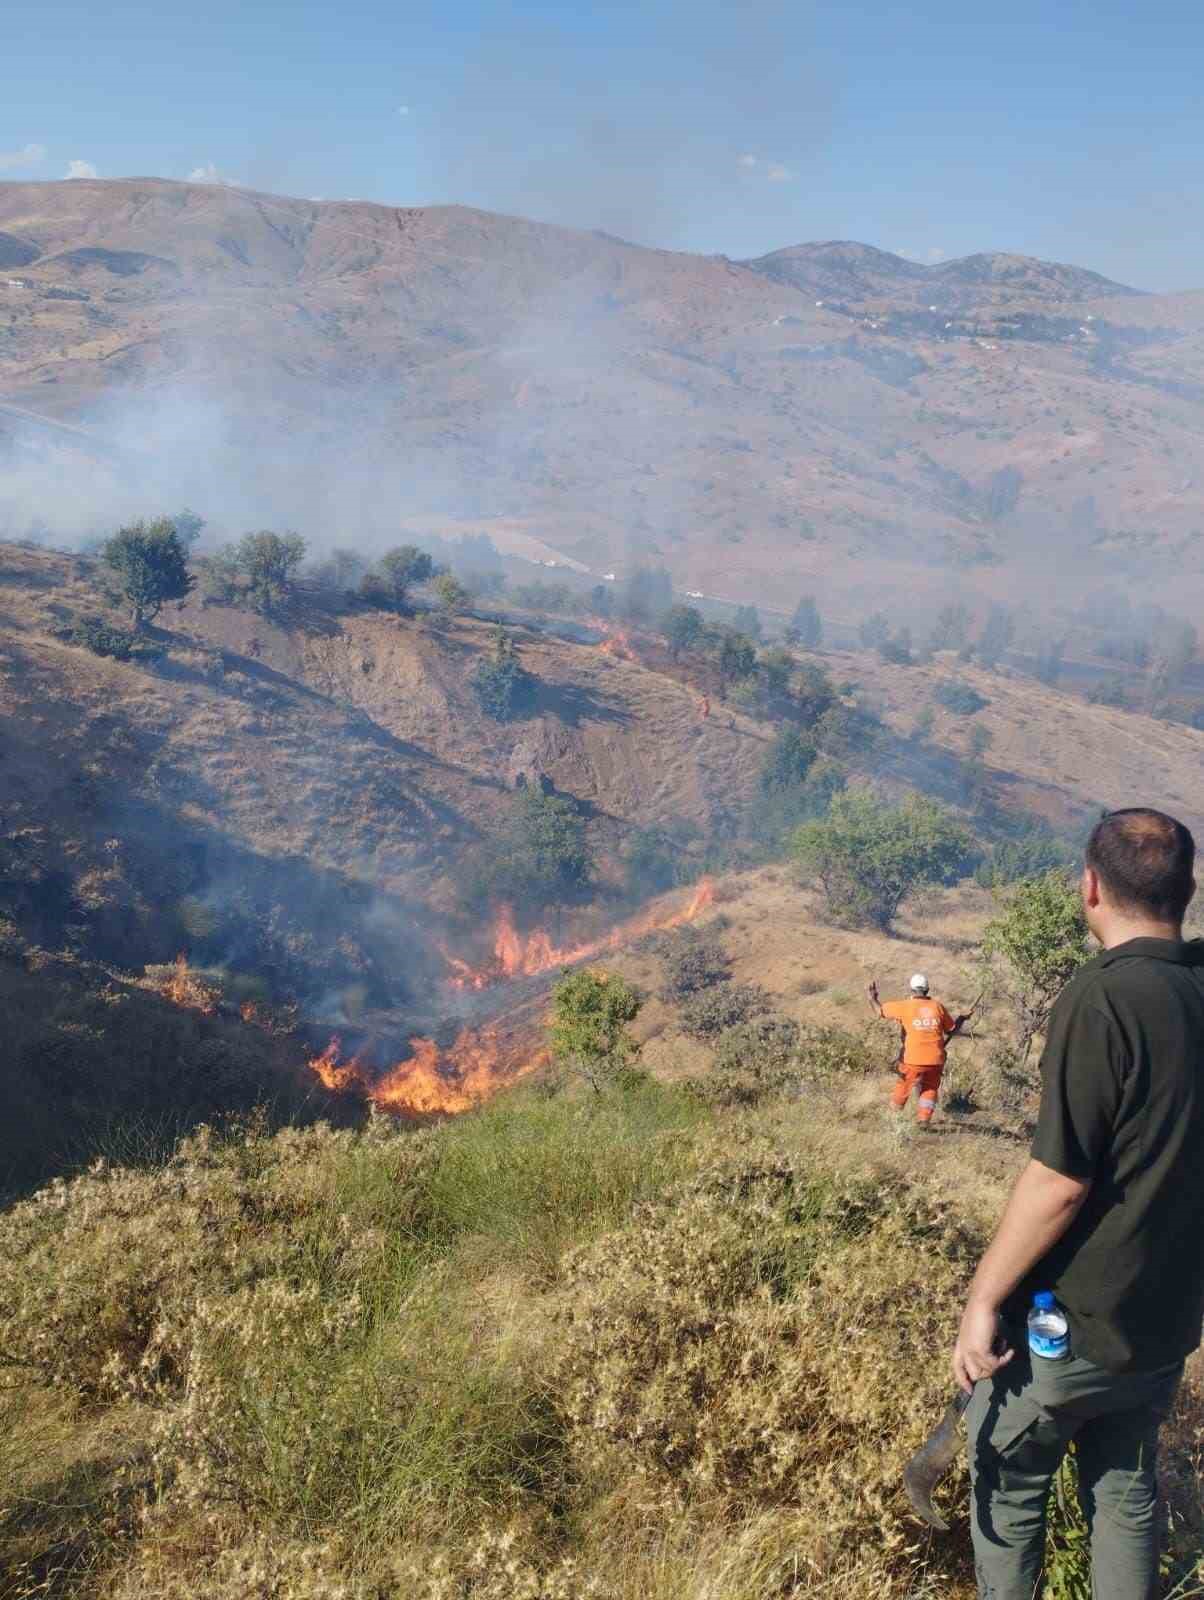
{"points": [[1044, 1300]]}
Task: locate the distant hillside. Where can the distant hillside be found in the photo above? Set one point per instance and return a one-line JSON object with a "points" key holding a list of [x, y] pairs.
{"points": [[355, 369], [860, 272]]}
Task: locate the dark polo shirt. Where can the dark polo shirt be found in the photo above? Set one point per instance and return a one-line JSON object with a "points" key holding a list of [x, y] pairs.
{"points": [[1122, 1104]]}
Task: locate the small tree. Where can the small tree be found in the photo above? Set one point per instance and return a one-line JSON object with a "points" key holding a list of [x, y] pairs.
{"points": [[150, 567], [1039, 939], [787, 761], [601, 600], [996, 636], [540, 858], [747, 621], [400, 569], [450, 593], [951, 628], [503, 687], [806, 624], [590, 1011], [189, 526], [868, 855], [874, 631], [269, 562], [777, 665], [682, 628], [648, 592], [737, 658]]}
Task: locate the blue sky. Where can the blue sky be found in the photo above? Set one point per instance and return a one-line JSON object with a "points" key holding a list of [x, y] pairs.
{"points": [[1061, 129]]}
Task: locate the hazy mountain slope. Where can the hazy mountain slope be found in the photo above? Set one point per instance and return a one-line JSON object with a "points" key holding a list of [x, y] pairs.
{"points": [[354, 369]]}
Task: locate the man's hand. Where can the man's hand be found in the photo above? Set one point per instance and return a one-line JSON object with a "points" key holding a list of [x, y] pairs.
{"points": [[980, 1351]]}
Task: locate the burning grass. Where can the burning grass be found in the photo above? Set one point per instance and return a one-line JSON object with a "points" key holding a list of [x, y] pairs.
{"points": [[518, 955]]}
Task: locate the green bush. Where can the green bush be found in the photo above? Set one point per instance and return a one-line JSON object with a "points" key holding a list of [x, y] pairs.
{"points": [[150, 567], [694, 960], [1039, 939], [1030, 854], [539, 858], [722, 1006], [104, 640], [505, 690], [963, 699], [867, 855]]}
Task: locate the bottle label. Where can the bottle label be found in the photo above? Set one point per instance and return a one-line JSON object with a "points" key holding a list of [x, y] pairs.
{"points": [[1049, 1348]]}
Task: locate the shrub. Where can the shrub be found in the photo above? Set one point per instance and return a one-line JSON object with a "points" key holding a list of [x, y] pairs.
{"points": [[729, 1347], [103, 640], [867, 855], [694, 960], [1040, 938], [806, 623], [1030, 854], [590, 1011], [268, 563], [397, 572], [963, 699], [682, 628], [503, 687], [722, 1006], [150, 567], [540, 857], [655, 859]]}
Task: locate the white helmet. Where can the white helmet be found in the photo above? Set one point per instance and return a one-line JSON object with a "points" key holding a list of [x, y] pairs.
{"points": [[919, 983]]}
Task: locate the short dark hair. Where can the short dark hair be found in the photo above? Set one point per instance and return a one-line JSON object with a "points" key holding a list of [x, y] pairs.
{"points": [[1144, 859]]}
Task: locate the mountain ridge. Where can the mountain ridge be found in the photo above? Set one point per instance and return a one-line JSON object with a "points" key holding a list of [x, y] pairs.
{"points": [[284, 360]]}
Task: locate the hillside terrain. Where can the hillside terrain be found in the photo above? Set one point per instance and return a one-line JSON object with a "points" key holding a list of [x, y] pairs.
{"points": [[637, 1345], [827, 418], [302, 791]]}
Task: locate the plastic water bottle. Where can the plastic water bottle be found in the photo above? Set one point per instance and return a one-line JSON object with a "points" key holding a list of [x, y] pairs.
{"points": [[1048, 1329]]}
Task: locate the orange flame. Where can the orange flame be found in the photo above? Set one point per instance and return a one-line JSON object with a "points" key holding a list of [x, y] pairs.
{"points": [[517, 955], [618, 644], [184, 988], [429, 1082]]}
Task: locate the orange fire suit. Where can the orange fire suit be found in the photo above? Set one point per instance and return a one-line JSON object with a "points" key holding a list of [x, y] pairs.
{"points": [[926, 1027]]}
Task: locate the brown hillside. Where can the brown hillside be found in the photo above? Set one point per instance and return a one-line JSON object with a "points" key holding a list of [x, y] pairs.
{"points": [[356, 368]]}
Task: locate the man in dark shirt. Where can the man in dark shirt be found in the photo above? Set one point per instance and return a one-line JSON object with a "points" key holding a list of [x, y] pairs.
{"points": [[1109, 1215]]}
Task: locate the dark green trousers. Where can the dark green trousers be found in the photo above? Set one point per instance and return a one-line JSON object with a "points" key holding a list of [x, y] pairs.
{"points": [[1019, 1426]]}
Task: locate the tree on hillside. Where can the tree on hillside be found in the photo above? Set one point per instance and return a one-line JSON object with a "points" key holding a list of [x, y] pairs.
{"points": [[874, 631], [747, 620], [1038, 940], [590, 1013], [269, 562], [736, 658], [806, 624], [189, 526], [647, 593], [400, 569], [814, 693], [682, 628], [996, 636], [450, 593], [777, 666], [1049, 661], [540, 858], [868, 855], [503, 687], [951, 628], [601, 600], [149, 566], [787, 761]]}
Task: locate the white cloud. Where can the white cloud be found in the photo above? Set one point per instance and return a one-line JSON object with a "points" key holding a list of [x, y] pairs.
{"points": [[30, 155], [403, 111], [748, 161], [207, 173], [776, 173], [81, 169]]}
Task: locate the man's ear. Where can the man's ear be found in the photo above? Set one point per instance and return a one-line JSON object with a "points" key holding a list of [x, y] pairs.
{"points": [[1091, 888]]}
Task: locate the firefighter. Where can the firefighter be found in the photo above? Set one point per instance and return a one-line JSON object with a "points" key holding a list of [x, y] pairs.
{"points": [[926, 1029]]}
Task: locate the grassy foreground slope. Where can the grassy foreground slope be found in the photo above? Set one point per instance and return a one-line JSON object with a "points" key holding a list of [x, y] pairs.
{"points": [[574, 1345]]}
